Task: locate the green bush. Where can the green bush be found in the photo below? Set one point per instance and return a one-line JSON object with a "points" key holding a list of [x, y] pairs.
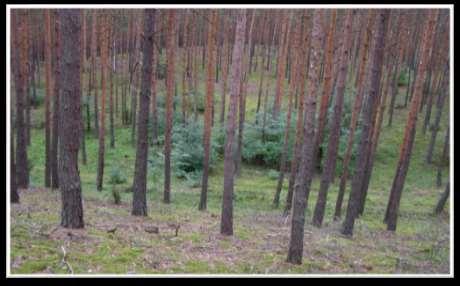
{"points": [[262, 145], [188, 151], [116, 176], [403, 79], [116, 195]]}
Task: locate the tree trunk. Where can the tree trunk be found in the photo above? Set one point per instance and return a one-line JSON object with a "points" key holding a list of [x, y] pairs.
{"points": [[442, 200], [327, 87], [48, 96], [299, 120], [306, 167], [333, 143], [153, 88], [225, 65], [211, 70], [140, 172], [295, 69], [94, 71], [69, 178], [82, 71], [57, 88], [281, 67], [135, 81], [242, 99], [406, 148], [111, 71], [101, 153], [362, 75], [445, 151], [170, 59], [376, 70], [435, 128], [226, 224]]}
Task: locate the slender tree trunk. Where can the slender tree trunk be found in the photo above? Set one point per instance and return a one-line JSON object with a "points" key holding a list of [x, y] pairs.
{"points": [[376, 71], [435, 127], [211, 70], [94, 71], [442, 200], [226, 224], [300, 114], [140, 172], [170, 62], [136, 74], [406, 148], [153, 88], [57, 88], [281, 67], [111, 71], [242, 99], [82, 68], [295, 69], [327, 86], [225, 66], [48, 96], [445, 151], [333, 143], [306, 167], [362, 75], [69, 178], [101, 153]]}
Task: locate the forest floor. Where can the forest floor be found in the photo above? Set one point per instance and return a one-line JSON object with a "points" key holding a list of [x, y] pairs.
{"points": [[113, 241]]}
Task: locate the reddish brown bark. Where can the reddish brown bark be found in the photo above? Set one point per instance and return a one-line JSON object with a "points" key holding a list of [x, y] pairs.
{"points": [[140, 172], [48, 96], [69, 129], [170, 62], [226, 224], [306, 167], [410, 130], [101, 153]]}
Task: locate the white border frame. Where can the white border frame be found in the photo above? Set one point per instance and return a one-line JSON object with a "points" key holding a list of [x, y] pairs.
{"points": [[227, 6]]}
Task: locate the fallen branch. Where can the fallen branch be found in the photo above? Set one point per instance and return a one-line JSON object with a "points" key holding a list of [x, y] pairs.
{"points": [[64, 261]]}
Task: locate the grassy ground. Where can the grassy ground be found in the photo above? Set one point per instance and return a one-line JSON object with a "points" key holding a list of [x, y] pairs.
{"points": [[420, 244]]}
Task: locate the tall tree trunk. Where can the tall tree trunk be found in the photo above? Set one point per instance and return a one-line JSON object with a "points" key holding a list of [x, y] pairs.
{"points": [[333, 143], [295, 69], [225, 65], [435, 128], [362, 75], [94, 71], [101, 153], [242, 99], [327, 86], [445, 151], [406, 148], [281, 67], [376, 71], [69, 178], [211, 70], [48, 96], [170, 62], [226, 223], [299, 120], [82, 71], [153, 87], [57, 88], [111, 71], [306, 167], [140, 172], [27, 64], [135, 81]]}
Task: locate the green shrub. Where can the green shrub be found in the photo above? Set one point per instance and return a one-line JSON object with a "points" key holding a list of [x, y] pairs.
{"points": [[262, 145], [187, 152], [403, 79], [273, 174], [116, 176]]}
